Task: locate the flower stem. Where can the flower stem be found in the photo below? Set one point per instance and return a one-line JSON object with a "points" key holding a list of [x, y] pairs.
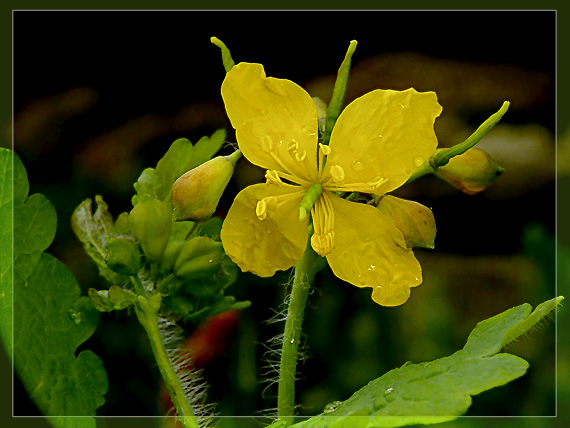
{"points": [[305, 271], [146, 314]]}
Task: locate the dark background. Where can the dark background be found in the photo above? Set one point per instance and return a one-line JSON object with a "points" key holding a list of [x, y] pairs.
{"points": [[98, 96]]}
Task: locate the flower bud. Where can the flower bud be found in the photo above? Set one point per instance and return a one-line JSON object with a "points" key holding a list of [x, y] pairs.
{"points": [[199, 258], [150, 222], [123, 256], [170, 255], [471, 172], [195, 195]]}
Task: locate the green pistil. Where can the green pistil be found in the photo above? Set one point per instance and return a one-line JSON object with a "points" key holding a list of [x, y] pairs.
{"points": [[309, 200]]}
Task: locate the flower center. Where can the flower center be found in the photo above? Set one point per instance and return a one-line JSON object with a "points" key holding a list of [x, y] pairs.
{"points": [[322, 240]]}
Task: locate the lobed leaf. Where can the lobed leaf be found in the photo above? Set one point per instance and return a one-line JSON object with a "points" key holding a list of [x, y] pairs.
{"points": [[50, 319], [95, 230], [441, 390]]}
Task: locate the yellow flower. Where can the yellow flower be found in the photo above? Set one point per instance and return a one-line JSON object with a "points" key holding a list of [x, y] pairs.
{"points": [[376, 144]]}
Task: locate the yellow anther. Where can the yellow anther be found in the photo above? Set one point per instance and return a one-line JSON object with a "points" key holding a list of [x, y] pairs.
{"points": [[378, 181], [272, 177], [325, 150], [337, 174], [264, 206], [266, 143], [261, 209]]}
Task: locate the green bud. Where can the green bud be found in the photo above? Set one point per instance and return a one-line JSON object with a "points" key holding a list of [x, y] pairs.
{"points": [[113, 299], [471, 172], [199, 258], [195, 195], [150, 222], [122, 224], [170, 255], [123, 256]]}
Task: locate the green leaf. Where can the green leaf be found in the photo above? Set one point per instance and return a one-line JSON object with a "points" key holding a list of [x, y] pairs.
{"points": [[207, 147], [172, 165], [6, 248], [95, 231], [440, 390], [211, 228], [147, 185], [50, 322], [50, 319]]}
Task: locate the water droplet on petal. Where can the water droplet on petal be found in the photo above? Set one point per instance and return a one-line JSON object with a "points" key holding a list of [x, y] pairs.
{"points": [[418, 161], [357, 166]]}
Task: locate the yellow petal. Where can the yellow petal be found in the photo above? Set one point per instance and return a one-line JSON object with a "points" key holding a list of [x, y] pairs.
{"points": [[275, 243], [275, 120], [415, 221], [382, 137], [371, 252]]}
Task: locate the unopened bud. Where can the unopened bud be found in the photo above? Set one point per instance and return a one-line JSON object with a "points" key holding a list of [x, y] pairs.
{"points": [[123, 256], [150, 222], [195, 195], [170, 255], [199, 258], [471, 172]]}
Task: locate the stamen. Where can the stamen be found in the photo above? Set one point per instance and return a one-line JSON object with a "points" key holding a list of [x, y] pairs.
{"points": [[325, 150], [369, 187], [264, 206], [337, 174], [378, 181], [272, 177], [266, 143], [261, 209], [322, 240]]}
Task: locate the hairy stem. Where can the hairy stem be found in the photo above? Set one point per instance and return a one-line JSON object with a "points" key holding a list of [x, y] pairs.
{"points": [[305, 271], [149, 320]]}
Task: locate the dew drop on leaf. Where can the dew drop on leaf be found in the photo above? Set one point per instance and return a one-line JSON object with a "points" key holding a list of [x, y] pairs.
{"points": [[331, 407]]}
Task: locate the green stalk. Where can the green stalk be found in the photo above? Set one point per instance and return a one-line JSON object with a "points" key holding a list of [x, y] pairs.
{"points": [[146, 313], [305, 271]]}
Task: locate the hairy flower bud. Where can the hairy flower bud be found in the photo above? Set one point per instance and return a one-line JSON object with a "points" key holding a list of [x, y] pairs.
{"points": [[150, 222], [123, 256], [471, 172], [170, 255], [199, 258], [195, 195]]}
